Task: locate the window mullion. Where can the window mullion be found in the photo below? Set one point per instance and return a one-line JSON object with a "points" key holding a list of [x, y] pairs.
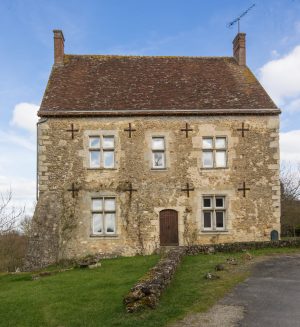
{"points": [[214, 220], [214, 158], [213, 212]]}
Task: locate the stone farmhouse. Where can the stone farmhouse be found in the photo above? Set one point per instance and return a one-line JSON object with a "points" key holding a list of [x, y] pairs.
{"points": [[139, 152]]}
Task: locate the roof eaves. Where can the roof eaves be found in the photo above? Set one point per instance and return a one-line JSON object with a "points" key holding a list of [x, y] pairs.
{"points": [[159, 112]]}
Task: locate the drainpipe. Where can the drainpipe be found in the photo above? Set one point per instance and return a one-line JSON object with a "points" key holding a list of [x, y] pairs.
{"points": [[37, 155]]}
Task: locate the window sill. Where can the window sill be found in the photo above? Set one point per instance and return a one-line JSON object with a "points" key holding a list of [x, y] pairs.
{"points": [[159, 169], [214, 231], [114, 236], [213, 168], [102, 169]]}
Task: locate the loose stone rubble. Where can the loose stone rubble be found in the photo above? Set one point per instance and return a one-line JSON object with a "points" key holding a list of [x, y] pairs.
{"points": [[211, 276], [41, 274], [219, 267]]}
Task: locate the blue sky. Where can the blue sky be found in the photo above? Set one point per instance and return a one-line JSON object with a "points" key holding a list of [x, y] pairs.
{"points": [[156, 27]]}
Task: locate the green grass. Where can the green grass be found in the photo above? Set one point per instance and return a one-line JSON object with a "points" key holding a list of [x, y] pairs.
{"points": [[94, 297]]}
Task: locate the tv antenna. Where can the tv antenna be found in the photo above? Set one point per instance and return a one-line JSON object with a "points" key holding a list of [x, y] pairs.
{"points": [[237, 20]]}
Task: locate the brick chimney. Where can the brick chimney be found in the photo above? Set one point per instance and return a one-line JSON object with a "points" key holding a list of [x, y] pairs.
{"points": [[239, 48], [59, 47]]}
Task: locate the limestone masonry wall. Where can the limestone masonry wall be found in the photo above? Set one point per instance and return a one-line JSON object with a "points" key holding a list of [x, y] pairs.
{"points": [[253, 159]]}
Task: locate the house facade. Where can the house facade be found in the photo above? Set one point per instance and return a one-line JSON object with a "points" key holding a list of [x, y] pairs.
{"points": [[135, 153]]}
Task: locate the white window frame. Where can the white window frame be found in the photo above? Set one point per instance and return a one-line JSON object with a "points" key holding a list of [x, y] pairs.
{"points": [[213, 150], [214, 209], [103, 212], [162, 151], [101, 150]]}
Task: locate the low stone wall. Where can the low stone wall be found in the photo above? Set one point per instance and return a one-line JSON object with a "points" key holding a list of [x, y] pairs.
{"points": [[239, 246], [147, 291]]}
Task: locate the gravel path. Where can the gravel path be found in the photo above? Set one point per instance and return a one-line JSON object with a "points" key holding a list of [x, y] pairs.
{"points": [[270, 297], [217, 316]]}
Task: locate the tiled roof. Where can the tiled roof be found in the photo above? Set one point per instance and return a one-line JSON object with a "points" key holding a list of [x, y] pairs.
{"points": [[112, 85]]}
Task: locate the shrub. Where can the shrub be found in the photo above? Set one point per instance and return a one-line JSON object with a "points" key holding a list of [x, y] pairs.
{"points": [[13, 247]]}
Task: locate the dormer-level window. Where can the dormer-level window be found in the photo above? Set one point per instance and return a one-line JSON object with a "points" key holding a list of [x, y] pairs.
{"points": [[158, 153], [102, 151], [214, 152]]}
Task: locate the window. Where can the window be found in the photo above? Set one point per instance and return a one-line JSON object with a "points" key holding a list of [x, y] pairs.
{"points": [[158, 153], [104, 216], [214, 210], [102, 151], [214, 152]]}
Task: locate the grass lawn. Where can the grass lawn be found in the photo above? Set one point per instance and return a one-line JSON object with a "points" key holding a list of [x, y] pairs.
{"points": [[94, 297]]}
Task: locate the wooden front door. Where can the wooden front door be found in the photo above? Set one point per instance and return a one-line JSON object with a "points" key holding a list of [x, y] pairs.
{"points": [[168, 222]]}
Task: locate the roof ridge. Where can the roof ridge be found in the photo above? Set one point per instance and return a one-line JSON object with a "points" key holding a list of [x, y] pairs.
{"points": [[145, 56]]}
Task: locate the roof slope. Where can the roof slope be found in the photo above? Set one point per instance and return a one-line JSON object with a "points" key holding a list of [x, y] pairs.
{"points": [[109, 84]]}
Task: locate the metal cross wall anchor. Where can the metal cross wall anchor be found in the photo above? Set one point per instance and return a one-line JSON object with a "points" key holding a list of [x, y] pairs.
{"points": [[243, 129], [130, 189], [73, 190], [72, 130], [244, 189], [188, 189], [186, 130], [129, 130]]}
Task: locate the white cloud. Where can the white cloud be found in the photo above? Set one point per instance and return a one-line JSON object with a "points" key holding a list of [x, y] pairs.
{"points": [[275, 54], [23, 191], [25, 116], [290, 146], [281, 77], [14, 139], [17, 162], [293, 106]]}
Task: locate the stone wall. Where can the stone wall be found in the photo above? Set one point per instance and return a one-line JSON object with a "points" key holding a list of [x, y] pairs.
{"points": [[253, 159], [147, 291], [240, 246], [43, 248]]}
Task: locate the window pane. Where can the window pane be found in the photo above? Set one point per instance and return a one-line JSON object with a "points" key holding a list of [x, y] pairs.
{"points": [[207, 143], [221, 159], [95, 142], [109, 205], [97, 223], [97, 204], [207, 202], [110, 223], [158, 160], [158, 143], [207, 159], [220, 202], [109, 159], [94, 159], [108, 142], [220, 219], [221, 142], [207, 219]]}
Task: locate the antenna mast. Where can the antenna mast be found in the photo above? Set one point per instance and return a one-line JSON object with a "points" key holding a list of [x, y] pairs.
{"points": [[237, 20]]}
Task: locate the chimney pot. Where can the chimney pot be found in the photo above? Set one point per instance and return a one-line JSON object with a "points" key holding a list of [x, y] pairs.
{"points": [[239, 48], [59, 47]]}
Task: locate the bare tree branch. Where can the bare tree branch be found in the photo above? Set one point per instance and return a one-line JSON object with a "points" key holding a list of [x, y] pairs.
{"points": [[25, 225], [290, 182], [290, 198], [9, 214]]}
